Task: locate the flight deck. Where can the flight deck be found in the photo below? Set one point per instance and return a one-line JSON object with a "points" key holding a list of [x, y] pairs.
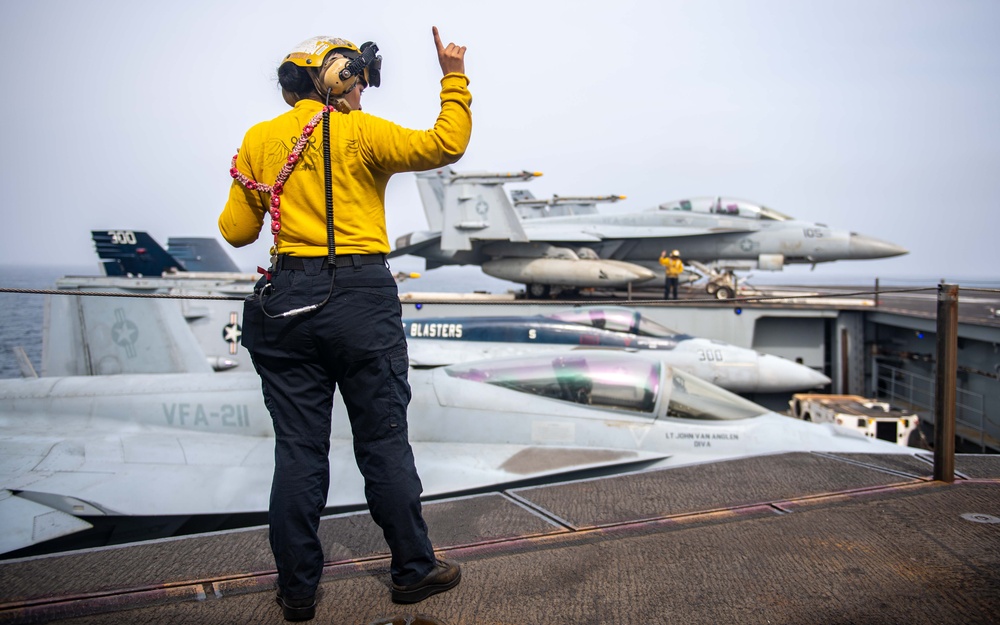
{"points": [[790, 538]]}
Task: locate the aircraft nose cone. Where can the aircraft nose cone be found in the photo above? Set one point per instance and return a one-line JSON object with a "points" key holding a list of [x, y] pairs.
{"points": [[863, 246], [779, 375]]}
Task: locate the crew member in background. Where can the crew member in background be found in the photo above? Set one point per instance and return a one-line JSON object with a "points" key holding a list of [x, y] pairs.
{"points": [[327, 312], [674, 268]]}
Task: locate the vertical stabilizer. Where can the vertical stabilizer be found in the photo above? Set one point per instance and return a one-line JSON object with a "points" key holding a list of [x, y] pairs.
{"points": [[475, 207], [430, 184], [132, 253], [117, 335], [201, 254]]}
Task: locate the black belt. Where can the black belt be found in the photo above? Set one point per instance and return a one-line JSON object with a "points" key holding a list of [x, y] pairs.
{"points": [[295, 263]]}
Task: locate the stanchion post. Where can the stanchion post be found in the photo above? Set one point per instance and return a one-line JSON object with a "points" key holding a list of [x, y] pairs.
{"points": [[944, 386], [876, 292]]}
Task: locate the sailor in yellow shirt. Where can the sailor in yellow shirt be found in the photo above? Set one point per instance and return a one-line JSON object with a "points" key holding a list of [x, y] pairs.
{"points": [[327, 314], [674, 268]]}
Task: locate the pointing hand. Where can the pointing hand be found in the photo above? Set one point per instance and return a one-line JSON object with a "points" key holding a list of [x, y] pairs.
{"points": [[451, 57]]}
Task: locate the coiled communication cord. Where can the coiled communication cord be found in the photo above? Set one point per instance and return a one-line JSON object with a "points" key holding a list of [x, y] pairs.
{"points": [[331, 243]]}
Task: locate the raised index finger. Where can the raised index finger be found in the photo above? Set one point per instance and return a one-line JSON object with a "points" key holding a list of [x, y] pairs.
{"points": [[437, 39]]}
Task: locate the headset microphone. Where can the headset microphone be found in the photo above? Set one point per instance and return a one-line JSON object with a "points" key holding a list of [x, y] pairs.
{"points": [[369, 59]]}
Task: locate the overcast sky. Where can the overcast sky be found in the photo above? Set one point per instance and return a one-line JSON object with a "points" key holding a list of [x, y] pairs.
{"points": [[879, 116]]}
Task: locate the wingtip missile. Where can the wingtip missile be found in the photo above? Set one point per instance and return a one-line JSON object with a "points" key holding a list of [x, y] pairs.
{"points": [[495, 177], [568, 199]]}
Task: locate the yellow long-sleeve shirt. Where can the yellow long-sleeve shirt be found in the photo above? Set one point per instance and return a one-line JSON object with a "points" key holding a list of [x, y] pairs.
{"points": [[365, 152], [673, 266]]}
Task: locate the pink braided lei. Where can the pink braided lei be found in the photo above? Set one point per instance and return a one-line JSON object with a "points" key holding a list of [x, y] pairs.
{"points": [[275, 189]]}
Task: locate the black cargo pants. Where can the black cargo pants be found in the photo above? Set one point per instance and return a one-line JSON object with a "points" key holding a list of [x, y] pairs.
{"points": [[356, 342], [671, 286]]}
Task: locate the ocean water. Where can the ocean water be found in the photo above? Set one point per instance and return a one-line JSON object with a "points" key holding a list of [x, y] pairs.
{"points": [[23, 313]]}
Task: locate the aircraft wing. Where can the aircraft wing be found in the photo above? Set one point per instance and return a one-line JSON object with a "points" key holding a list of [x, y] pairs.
{"points": [[147, 472], [26, 522], [156, 473], [47, 483], [602, 232]]}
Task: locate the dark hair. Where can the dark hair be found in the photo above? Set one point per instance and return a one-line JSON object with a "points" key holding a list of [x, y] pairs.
{"points": [[295, 79]]}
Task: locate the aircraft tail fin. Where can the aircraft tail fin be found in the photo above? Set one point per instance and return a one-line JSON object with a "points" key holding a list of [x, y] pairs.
{"points": [[201, 254], [136, 253], [470, 206], [521, 195], [132, 253], [116, 335], [431, 187]]}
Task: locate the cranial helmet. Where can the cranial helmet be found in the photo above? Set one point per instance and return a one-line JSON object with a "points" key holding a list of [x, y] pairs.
{"points": [[339, 64], [675, 254]]}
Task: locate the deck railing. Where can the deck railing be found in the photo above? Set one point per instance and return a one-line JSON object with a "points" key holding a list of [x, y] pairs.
{"points": [[915, 392]]}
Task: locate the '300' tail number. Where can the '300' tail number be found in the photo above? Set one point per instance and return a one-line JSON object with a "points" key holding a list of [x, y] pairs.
{"points": [[710, 355], [122, 237]]}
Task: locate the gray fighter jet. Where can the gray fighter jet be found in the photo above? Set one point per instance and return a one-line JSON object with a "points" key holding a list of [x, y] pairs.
{"points": [[82, 451], [566, 243], [442, 341], [113, 335]]}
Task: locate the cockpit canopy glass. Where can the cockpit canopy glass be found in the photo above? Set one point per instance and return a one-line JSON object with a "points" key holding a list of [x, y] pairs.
{"points": [[611, 381], [725, 206], [694, 398], [625, 384], [615, 318]]}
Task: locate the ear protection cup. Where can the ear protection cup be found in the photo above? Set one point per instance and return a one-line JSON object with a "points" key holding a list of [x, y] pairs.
{"points": [[330, 77]]}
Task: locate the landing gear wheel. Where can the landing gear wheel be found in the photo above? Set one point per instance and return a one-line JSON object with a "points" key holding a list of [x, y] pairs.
{"points": [[539, 291], [712, 288], [724, 292]]}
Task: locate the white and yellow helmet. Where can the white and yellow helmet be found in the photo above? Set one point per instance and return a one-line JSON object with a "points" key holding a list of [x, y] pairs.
{"points": [[339, 62]]}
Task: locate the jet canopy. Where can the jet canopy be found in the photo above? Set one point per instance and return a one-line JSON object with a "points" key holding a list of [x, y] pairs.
{"points": [[615, 318], [725, 206], [612, 381]]}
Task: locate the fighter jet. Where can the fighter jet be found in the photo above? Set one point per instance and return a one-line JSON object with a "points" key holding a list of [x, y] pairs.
{"points": [[104, 336], [472, 221], [83, 451], [442, 341]]}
